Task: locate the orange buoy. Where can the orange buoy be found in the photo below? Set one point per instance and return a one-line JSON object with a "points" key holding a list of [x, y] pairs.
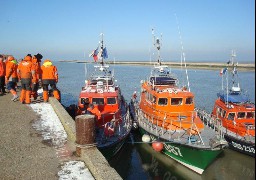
{"points": [[157, 146]]}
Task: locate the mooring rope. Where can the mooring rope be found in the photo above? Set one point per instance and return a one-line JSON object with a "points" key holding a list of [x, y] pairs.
{"points": [[86, 146]]}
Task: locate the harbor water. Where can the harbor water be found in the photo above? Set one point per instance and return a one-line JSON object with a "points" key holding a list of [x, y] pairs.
{"points": [[138, 160]]}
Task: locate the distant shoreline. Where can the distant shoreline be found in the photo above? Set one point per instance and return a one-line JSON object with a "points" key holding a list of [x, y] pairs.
{"points": [[190, 65]]}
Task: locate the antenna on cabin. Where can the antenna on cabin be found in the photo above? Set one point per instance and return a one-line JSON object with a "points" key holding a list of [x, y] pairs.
{"points": [[183, 57], [234, 66], [85, 67]]}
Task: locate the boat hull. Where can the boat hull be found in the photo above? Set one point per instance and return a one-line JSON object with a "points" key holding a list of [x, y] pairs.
{"points": [[196, 159], [240, 145], [111, 150]]}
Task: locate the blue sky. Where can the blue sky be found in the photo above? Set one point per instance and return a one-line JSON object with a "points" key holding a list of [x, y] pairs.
{"points": [[70, 29]]}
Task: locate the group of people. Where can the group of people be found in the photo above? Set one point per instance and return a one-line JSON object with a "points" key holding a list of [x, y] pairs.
{"points": [[31, 74]]}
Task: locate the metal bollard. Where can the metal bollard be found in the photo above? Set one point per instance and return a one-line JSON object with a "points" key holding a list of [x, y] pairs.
{"points": [[85, 131]]}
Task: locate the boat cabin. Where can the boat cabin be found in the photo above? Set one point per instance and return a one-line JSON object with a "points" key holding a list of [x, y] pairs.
{"points": [[237, 117], [101, 91]]}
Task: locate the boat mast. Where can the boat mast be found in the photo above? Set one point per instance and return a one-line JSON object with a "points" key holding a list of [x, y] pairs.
{"points": [[101, 50], [233, 55], [157, 44]]}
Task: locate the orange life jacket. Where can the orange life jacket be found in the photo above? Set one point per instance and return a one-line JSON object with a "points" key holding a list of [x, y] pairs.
{"points": [[49, 71], [26, 71], [11, 69], [95, 111]]}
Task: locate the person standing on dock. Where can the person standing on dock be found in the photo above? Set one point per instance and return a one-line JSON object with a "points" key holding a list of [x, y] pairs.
{"points": [[2, 75], [49, 77], [11, 76], [27, 75], [36, 59]]}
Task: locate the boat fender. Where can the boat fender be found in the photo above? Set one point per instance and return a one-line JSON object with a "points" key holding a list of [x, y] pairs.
{"points": [[157, 146], [146, 138]]}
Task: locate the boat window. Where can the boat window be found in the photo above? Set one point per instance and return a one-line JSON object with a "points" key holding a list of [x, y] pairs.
{"points": [[231, 116], [150, 97], [220, 112], [241, 115], [189, 100], [176, 101], [250, 115], [154, 99], [98, 101], [162, 101], [111, 100]]}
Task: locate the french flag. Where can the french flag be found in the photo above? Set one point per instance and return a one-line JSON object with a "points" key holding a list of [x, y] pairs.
{"points": [[223, 71], [94, 54]]}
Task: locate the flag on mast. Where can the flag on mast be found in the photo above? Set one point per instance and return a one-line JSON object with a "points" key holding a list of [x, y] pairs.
{"points": [[94, 54], [223, 71], [105, 53]]}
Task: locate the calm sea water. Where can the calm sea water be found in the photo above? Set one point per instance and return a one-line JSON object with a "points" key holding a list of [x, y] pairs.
{"points": [[139, 161]]}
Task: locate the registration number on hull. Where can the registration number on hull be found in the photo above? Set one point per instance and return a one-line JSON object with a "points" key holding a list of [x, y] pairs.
{"points": [[243, 147], [172, 149]]}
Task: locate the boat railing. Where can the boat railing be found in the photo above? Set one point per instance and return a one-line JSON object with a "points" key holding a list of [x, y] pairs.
{"points": [[157, 124], [209, 120], [238, 129], [183, 134]]}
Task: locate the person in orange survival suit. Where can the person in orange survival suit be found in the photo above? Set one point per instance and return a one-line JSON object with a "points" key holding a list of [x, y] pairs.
{"points": [[36, 59], [83, 107], [49, 77], [11, 76], [27, 75], [95, 111], [2, 75]]}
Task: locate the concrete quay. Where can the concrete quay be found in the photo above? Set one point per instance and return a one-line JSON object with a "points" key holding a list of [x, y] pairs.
{"points": [[24, 154]]}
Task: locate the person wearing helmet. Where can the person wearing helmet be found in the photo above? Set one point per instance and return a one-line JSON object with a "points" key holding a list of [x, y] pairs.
{"points": [[11, 76], [38, 74], [27, 76], [49, 77]]}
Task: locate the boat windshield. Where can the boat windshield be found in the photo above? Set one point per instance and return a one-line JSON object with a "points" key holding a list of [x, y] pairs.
{"points": [[161, 75], [98, 101]]}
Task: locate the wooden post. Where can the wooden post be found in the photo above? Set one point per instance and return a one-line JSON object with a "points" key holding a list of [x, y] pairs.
{"points": [[85, 131]]}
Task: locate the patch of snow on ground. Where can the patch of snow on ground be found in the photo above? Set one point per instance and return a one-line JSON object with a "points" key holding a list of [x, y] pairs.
{"points": [[75, 170], [49, 124]]}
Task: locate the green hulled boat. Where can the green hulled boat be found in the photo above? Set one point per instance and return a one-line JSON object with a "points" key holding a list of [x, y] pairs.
{"points": [[166, 116], [196, 158]]}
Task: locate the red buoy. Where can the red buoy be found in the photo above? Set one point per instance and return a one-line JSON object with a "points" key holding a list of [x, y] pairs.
{"points": [[157, 146]]}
